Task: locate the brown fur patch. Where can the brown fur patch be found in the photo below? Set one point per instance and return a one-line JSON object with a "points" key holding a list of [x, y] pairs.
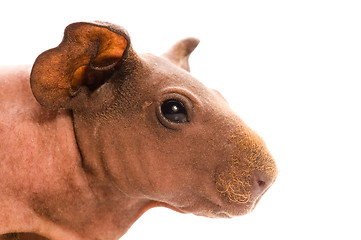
{"points": [[235, 185]]}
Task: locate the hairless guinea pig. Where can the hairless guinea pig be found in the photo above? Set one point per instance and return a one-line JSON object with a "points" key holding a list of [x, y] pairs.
{"points": [[101, 134]]}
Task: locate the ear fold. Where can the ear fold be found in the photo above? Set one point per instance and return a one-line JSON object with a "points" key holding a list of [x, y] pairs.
{"points": [[88, 55], [180, 52]]}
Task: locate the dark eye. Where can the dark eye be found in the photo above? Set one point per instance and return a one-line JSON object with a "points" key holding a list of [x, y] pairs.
{"points": [[174, 111]]}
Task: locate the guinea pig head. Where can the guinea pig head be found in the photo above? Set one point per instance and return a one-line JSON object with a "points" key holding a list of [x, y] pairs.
{"points": [[148, 126], [203, 158]]}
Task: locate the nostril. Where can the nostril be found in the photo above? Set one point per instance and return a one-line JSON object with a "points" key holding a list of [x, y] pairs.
{"points": [[261, 183]]}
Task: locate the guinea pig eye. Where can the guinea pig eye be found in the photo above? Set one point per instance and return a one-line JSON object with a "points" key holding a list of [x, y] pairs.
{"points": [[174, 111]]}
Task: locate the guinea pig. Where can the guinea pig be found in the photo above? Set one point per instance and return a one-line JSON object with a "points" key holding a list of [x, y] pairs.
{"points": [[94, 135]]}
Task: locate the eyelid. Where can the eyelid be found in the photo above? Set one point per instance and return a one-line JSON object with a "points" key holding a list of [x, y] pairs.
{"points": [[182, 92]]}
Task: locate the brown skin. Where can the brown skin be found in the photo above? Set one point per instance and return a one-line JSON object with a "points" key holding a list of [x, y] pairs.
{"points": [[98, 151]]}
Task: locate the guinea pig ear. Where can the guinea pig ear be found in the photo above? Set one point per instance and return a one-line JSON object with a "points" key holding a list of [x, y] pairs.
{"points": [[88, 55], [180, 52]]}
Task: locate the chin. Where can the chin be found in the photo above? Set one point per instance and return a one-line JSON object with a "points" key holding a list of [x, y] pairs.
{"points": [[229, 213], [235, 211], [225, 209]]}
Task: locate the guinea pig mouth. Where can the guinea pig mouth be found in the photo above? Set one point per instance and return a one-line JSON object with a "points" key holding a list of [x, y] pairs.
{"points": [[241, 188]]}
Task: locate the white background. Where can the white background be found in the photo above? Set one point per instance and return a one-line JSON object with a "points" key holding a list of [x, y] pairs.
{"points": [[290, 69]]}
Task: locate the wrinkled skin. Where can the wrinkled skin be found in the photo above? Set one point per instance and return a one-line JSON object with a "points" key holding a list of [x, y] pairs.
{"points": [[85, 148]]}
